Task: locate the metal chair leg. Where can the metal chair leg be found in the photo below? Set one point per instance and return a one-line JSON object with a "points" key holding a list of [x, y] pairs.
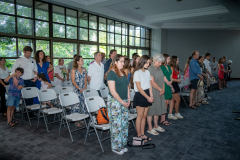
{"points": [[87, 132], [45, 122], [69, 131]]}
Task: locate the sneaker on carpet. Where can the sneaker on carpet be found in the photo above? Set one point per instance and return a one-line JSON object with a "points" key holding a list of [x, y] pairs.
{"points": [[124, 149], [118, 152], [209, 97], [178, 115], [172, 117]]}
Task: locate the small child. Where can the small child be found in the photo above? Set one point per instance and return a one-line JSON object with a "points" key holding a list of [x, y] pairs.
{"points": [[14, 94], [44, 85]]}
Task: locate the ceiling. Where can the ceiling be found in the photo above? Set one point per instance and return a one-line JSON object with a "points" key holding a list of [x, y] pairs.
{"points": [[167, 14]]}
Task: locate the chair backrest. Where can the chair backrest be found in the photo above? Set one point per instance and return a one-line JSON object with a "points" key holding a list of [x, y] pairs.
{"points": [[65, 89], [29, 92], [46, 95], [53, 83], [88, 86], [132, 93], [90, 92], [68, 83], [68, 98], [93, 103], [104, 92], [56, 88]]}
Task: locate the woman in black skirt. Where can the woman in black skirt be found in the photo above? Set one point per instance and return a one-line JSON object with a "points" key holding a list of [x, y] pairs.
{"points": [[175, 102], [143, 97]]}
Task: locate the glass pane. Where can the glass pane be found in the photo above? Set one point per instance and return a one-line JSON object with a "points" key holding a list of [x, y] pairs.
{"points": [[108, 51], [42, 28], [110, 25], [41, 10], [117, 39], [25, 26], [145, 52], [147, 43], [124, 40], [71, 32], [87, 51], [22, 43], [118, 27], [9, 63], [71, 17], [143, 42], [139, 51], [58, 14], [7, 24], [8, 45], [92, 21], [137, 32], [124, 29], [143, 32], [102, 37], [131, 51], [102, 24], [118, 49], [137, 43], [103, 49], [83, 34], [7, 6], [83, 19], [124, 51], [66, 61], [131, 30], [92, 35], [24, 8], [110, 38], [87, 63], [58, 30], [43, 45], [131, 41], [64, 50], [147, 34]]}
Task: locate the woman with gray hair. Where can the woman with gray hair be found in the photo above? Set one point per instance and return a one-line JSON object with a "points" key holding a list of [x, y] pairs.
{"points": [[158, 106]]}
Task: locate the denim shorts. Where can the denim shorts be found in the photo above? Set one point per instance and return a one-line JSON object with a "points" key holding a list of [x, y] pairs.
{"points": [[13, 101]]}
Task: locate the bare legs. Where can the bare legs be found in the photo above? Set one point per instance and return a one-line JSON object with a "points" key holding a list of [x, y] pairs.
{"points": [[220, 83], [141, 119], [149, 120], [10, 111], [192, 97], [175, 102]]}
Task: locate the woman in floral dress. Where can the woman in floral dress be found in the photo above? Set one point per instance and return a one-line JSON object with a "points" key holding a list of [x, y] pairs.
{"points": [[79, 80]]}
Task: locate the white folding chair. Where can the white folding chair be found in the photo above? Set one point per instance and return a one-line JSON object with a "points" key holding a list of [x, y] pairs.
{"points": [[28, 93], [88, 86], [68, 99], [53, 83], [184, 93], [93, 104], [56, 88], [104, 92], [65, 89], [90, 92], [68, 83], [43, 97]]}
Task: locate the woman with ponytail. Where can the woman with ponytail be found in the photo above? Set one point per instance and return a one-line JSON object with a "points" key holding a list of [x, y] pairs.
{"points": [[117, 105]]}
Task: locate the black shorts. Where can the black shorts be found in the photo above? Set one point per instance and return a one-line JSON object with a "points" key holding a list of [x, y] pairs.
{"points": [[140, 100], [225, 76], [194, 84], [175, 87]]}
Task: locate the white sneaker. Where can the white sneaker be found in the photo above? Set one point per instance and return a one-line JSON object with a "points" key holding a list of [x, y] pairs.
{"points": [[178, 115], [124, 149], [118, 152], [170, 116], [205, 99], [209, 97]]}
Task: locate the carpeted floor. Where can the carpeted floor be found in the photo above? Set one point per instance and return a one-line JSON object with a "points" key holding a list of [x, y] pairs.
{"points": [[206, 133]]}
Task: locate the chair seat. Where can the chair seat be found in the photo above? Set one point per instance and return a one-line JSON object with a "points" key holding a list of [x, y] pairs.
{"points": [[35, 107], [68, 107], [76, 117], [52, 110], [184, 94], [132, 116], [101, 126]]}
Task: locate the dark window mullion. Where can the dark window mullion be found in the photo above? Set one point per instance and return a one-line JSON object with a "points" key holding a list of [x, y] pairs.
{"points": [[65, 13]]}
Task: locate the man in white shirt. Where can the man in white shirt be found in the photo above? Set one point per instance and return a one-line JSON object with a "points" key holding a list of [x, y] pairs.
{"points": [[214, 68], [207, 64], [30, 70], [70, 67], [96, 73]]}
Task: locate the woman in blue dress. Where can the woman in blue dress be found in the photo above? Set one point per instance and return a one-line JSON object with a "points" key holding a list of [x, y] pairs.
{"points": [[42, 65], [79, 80]]}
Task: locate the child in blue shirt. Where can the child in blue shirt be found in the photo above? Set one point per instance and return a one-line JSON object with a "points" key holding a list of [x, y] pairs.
{"points": [[14, 94]]}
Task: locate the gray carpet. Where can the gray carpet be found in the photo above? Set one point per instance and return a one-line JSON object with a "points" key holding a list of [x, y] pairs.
{"points": [[206, 133]]}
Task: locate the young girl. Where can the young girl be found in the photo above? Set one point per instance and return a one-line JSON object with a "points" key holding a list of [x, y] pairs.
{"points": [[44, 85], [221, 72], [143, 97]]}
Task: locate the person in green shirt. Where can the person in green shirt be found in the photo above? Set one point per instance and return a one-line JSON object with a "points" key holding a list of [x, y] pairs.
{"points": [[117, 105]]}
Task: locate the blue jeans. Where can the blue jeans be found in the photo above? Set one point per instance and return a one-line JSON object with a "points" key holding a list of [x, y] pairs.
{"points": [[29, 83]]}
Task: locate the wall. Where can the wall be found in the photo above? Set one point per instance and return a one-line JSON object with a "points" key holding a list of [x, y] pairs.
{"points": [[155, 42], [217, 42]]}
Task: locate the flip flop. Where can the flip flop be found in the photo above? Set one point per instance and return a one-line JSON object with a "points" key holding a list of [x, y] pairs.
{"points": [[11, 124], [160, 129], [166, 124], [192, 107], [236, 111], [153, 132], [14, 121], [236, 118]]}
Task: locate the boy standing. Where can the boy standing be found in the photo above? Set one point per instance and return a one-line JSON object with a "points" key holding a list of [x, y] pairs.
{"points": [[14, 94]]}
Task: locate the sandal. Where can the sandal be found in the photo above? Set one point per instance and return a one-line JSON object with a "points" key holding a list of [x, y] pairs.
{"points": [[11, 124], [198, 104], [146, 139], [14, 121], [192, 107], [160, 129], [236, 111], [77, 124], [166, 124], [153, 132]]}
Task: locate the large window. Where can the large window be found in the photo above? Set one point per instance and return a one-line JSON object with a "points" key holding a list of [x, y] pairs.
{"points": [[62, 32]]}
